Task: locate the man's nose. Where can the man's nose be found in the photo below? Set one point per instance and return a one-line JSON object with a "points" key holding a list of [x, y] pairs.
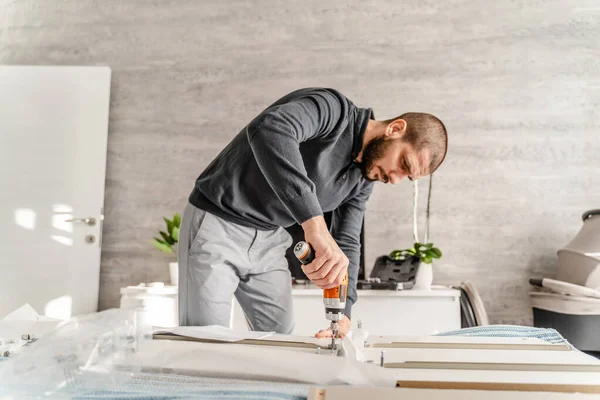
{"points": [[395, 177]]}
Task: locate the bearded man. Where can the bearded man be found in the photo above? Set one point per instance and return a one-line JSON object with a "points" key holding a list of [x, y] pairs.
{"points": [[309, 153]]}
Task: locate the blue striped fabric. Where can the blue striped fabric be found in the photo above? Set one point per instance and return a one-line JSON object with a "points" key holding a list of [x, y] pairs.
{"points": [[510, 331], [157, 386]]}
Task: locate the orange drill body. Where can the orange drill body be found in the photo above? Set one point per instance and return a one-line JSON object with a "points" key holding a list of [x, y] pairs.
{"points": [[340, 292], [334, 299]]}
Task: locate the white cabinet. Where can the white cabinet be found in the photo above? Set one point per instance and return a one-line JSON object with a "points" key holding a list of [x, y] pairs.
{"points": [[382, 312]]}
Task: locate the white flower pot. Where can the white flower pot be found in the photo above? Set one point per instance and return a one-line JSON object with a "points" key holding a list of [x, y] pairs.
{"points": [[424, 277], [174, 273]]}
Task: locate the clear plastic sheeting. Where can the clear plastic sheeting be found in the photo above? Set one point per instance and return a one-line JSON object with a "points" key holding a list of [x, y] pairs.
{"points": [[83, 354]]}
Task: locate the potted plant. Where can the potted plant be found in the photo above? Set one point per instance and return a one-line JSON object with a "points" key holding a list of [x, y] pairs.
{"points": [[167, 243], [423, 251]]}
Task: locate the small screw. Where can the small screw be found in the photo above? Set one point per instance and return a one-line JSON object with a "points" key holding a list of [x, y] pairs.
{"points": [[382, 356]]}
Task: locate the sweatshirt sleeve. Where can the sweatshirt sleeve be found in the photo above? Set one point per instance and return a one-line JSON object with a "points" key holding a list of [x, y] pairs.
{"points": [[275, 137], [346, 227]]}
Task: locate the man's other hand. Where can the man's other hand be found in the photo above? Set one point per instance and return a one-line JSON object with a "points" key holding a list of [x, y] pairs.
{"points": [[329, 267], [343, 328]]}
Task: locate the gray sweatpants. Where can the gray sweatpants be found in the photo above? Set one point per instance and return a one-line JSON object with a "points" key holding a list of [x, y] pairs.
{"points": [[220, 259]]}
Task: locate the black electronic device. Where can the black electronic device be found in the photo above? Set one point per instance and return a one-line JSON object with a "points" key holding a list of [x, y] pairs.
{"points": [[390, 274]]}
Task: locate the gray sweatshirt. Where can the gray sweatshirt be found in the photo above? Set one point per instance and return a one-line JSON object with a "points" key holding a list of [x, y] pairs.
{"points": [[293, 162]]}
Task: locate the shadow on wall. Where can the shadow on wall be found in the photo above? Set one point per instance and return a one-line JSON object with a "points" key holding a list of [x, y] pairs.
{"points": [[542, 264]]}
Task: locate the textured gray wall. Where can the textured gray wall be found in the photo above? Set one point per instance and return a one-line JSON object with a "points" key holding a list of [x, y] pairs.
{"points": [[517, 83]]}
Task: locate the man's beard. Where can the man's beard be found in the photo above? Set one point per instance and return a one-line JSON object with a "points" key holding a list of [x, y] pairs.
{"points": [[374, 150]]}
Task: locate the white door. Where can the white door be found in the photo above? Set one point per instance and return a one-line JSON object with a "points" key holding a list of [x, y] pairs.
{"points": [[53, 134]]}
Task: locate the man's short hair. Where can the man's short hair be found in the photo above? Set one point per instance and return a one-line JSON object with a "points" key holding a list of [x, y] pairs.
{"points": [[426, 131]]}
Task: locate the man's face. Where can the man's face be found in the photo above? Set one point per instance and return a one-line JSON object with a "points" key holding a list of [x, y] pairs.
{"points": [[391, 159]]}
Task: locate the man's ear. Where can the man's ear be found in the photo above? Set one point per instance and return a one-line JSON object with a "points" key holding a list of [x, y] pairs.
{"points": [[396, 128]]}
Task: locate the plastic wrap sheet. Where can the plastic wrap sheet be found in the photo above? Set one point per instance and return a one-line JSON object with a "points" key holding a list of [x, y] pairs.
{"points": [[81, 354]]}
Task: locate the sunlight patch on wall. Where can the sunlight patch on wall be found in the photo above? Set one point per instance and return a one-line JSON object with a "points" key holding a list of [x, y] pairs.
{"points": [[62, 240], [62, 208], [25, 218], [58, 222], [59, 308]]}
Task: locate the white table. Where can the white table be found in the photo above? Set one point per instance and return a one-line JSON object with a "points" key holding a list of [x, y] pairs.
{"points": [[383, 312]]}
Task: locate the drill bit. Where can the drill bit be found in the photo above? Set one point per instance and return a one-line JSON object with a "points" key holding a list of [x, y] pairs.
{"points": [[334, 334]]}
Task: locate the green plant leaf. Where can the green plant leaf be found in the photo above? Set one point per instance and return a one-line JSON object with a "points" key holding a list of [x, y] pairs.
{"points": [[160, 245], [436, 253], [411, 251], [175, 235], [427, 260], [177, 220], [160, 240], [167, 239], [429, 245], [169, 225]]}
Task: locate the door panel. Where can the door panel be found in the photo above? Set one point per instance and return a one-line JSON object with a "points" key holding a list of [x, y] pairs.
{"points": [[53, 136]]}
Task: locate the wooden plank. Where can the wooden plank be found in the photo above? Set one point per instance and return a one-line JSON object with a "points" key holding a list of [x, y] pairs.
{"points": [[398, 355], [463, 342], [509, 376], [493, 366], [501, 386], [256, 342], [316, 394], [471, 346], [379, 393]]}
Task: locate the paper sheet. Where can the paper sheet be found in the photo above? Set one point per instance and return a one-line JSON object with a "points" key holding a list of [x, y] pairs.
{"points": [[26, 313], [212, 332]]}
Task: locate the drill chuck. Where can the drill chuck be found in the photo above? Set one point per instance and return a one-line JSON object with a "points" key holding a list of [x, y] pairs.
{"points": [[304, 252]]}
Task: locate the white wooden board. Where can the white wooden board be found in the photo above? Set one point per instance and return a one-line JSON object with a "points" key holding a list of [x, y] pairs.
{"points": [[531, 377], [354, 393], [460, 342], [395, 355]]}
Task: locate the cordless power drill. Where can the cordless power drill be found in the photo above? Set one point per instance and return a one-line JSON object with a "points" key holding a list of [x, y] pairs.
{"points": [[334, 299]]}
